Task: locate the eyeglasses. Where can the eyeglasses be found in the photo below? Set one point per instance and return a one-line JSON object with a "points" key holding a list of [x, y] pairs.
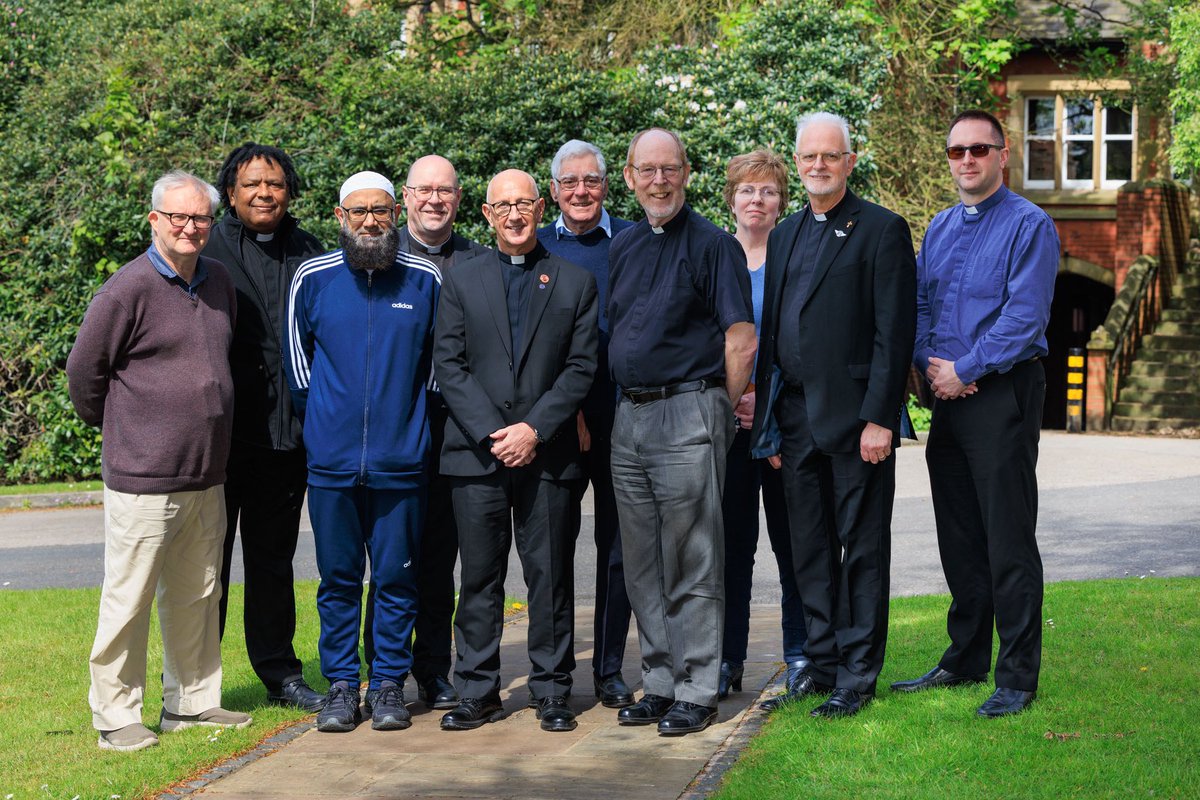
{"points": [[503, 207], [179, 220], [956, 151], [426, 192], [668, 171], [570, 182], [826, 158], [359, 213], [766, 192]]}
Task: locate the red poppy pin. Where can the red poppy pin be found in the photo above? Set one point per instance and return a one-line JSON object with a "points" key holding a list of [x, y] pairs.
{"points": [[544, 278]]}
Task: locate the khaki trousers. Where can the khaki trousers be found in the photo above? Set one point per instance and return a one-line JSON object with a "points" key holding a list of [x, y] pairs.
{"points": [[169, 544]]}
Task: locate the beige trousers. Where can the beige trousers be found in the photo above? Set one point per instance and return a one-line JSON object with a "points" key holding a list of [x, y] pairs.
{"points": [[169, 544]]}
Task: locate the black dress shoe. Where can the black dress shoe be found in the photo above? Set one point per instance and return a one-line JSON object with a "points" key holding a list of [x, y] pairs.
{"points": [[613, 692], [645, 711], [805, 685], [842, 703], [436, 692], [685, 717], [472, 713], [731, 678], [1006, 701], [555, 714], [934, 678], [297, 694]]}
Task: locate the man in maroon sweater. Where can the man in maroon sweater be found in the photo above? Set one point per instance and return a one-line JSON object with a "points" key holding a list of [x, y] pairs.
{"points": [[151, 368]]}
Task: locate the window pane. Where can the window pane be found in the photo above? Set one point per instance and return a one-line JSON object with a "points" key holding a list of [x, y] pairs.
{"points": [[1039, 117], [1078, 113], [1118, 122], [1118, 164], [1041, 161], [1079, 161]]}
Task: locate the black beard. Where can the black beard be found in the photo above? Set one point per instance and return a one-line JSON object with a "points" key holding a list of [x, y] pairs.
{"points": [[369, 252]]}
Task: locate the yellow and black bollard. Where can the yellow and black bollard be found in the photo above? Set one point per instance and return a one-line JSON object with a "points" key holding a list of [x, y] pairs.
{"points": [[1076, 359]]}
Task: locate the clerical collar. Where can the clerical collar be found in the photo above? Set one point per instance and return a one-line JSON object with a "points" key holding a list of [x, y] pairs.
{"points": [[431, 249], [264, 237], [830, 214], [525, 260], [975, 212], [605, 224], [675, 222]]}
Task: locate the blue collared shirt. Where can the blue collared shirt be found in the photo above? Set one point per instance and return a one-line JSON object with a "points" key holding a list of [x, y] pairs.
{"points": [[605, 224], [164, 269], [985, 279]]}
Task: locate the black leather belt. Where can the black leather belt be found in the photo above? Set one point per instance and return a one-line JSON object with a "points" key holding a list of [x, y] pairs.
{"points": [[641, 395]]}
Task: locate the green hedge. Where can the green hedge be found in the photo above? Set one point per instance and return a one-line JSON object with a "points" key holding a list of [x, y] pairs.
{"points": [[113, 94]]}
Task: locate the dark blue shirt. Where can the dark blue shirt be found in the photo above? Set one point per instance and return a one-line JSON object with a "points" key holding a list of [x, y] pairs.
{"points": [[673, 292], [985, 279]]}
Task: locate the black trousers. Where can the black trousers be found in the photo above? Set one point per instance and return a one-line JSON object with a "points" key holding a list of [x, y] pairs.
{"points": [[613, 612], [489, 509], [435, 575], [840, 516], [982, 454], [264, 493]]}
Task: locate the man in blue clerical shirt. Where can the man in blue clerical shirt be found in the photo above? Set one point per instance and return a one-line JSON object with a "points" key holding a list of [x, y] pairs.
{"points": [[582, 234], [985, 278]]}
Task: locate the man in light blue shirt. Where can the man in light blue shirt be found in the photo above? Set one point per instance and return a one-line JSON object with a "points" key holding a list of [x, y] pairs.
{"points": [[985, 279]]}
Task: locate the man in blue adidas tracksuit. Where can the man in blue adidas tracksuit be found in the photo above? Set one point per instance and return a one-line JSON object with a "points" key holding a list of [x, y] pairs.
{"points": [[358, 339]]}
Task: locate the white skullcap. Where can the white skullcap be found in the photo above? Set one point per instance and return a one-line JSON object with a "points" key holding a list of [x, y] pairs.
{"points": [[366, 180]]}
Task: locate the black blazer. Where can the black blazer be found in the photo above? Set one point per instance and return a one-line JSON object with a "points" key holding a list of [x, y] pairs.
{"points": [[473, 363], [857, 327]]}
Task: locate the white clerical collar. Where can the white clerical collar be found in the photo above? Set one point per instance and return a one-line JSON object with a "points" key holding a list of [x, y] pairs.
{"points": [[972, 210], [431, 249], [819, 217], [265, 237], [657, 231], [605, 224], [517, 260]]}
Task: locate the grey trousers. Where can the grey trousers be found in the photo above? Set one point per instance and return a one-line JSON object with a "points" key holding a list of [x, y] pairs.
{"points": [[668, 468]]}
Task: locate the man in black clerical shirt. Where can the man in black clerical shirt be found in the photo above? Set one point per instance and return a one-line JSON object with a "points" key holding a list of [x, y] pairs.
{"points": [[431, 199], [682, 346], [839, 315], [262, 246], [582, 235], [515, 353]]}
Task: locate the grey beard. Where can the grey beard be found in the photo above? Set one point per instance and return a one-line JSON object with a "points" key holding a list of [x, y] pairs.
{"points": [[369, 252]]}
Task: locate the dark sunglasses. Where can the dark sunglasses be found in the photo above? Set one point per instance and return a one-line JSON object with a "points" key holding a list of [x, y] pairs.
{"points": [[957, 151]]}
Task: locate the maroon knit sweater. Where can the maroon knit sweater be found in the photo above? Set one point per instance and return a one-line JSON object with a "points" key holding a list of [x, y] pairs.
{"points": [[151, 368]]}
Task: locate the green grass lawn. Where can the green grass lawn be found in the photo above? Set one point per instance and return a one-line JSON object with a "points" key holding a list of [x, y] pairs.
{"points": [[47, 744], [1116, 715], [51, 488]]}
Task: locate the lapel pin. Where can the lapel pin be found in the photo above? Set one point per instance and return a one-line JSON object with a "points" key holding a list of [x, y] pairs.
{"points": [[840, 234], [849, 224]]}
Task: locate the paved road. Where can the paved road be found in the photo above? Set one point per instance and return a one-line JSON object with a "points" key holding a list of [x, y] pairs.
{"points": [[1110, 506]]}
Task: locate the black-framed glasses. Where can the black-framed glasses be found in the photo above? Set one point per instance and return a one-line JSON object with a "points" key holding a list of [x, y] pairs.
{"points": [[955, 152], [570, 183], [426, 192], [359, 213], [646, 171], [826, 158], [502, 208], [180, 220]]}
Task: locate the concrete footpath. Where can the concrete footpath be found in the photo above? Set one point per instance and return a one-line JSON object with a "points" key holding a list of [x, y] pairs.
{"points": [[514, 759]]}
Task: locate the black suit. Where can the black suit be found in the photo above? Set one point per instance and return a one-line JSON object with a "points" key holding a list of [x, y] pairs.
{"points": [[855, 334], [489, 383]]}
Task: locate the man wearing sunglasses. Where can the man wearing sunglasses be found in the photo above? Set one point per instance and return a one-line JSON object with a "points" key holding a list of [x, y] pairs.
{"points": [[357, 356], [985, 279], [150, 367]]}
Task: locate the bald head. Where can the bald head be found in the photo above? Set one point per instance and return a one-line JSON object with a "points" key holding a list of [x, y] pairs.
{"points": [[431, 198], [518, 179]]}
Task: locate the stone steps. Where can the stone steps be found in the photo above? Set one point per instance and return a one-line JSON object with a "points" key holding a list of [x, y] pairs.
{"points": [[1144, 425], [1162, 383]]}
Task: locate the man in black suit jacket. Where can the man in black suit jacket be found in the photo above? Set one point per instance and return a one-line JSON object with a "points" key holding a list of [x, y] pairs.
{"points": [[839, 315], [514, 354]]}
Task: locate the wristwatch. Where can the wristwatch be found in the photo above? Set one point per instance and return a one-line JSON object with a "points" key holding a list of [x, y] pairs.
{"points": [[537, 435]]}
